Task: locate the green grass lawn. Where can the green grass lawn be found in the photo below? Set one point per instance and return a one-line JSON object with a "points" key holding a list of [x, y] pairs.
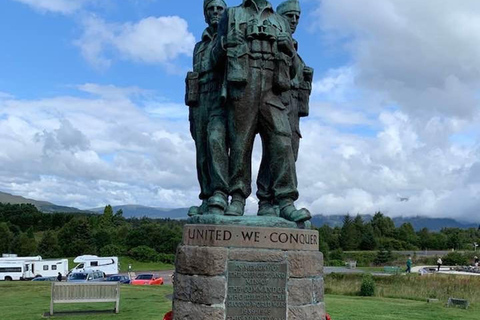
{"points": [[29, 301], [136, 265], [360, 308]]}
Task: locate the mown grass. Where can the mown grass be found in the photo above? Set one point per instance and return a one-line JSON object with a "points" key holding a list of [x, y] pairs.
{"points": [[412, 287], [30, 300], [136, 265], [361, 308]]}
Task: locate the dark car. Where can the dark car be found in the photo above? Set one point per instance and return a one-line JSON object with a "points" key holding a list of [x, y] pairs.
{"points": [[45, 279], [118, 278]]}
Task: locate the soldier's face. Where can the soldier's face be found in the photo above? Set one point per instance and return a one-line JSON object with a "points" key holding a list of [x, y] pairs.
{"points": [[292, 17], [214, 12]]}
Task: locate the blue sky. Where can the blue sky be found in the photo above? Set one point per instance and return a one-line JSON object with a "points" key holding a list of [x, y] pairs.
{"points": [[91, 104]]}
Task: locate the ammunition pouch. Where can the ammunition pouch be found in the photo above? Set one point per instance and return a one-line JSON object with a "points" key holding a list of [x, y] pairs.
{"points": [[237, 66], [304, 92], [281, 76], [192, 89]]}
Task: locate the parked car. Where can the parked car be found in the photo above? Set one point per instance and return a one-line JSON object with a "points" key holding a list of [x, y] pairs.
{"points": [[118, 278], [87, 276], [147, 279], [45, 279]]}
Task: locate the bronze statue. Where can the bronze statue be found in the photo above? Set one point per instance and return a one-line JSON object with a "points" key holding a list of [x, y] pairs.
{"points": [[208, 118], [297, 102], [255, 47], [249, 79]]}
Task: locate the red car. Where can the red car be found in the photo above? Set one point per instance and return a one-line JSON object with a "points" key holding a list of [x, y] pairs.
{"points": [[147, 279]]}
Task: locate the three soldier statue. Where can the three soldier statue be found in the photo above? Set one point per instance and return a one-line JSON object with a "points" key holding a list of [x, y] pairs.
{"points": [[248, 78]]}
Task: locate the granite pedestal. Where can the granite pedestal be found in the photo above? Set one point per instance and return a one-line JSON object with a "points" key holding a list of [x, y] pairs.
{"points": [[225, 272]]}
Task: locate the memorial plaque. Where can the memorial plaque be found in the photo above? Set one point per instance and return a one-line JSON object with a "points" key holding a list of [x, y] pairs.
{"points": [[257, 291]]}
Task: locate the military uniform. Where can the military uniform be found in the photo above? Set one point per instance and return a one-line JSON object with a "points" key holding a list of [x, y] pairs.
{"points": [[254, 43], [208, 120]]}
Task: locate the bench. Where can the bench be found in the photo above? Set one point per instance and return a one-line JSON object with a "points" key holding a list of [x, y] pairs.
{"points": [[392, 270], [454, 302], [351, 264], [65, 292]]}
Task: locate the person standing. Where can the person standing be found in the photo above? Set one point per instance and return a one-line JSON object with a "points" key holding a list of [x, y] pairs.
{"points": [[59, 277], [439, 263], [208, 118], [476, 261], [409, 265]]}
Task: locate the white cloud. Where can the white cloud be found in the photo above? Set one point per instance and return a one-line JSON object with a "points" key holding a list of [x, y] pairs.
{"points": [[153, 40], [422, 55], [58, 6], [98, 150]]}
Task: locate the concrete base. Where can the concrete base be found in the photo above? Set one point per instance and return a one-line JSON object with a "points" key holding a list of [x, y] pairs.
{"points": [[202, 282]]}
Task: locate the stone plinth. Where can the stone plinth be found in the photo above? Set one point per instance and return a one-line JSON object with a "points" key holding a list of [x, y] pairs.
{"points": [[243, 273]]}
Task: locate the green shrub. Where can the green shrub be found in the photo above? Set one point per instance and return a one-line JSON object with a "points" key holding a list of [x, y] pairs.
{"points": [[455, 259], [143, 254], [383, 256], [335, 263], [112, 250], [336, 255], [166, 258], [367, 289]]}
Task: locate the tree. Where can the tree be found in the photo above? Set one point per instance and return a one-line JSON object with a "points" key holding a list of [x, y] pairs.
{"points": [[6, 238], [406, 233], [348, 236], [106, 221], [76, 238], [48, 246], [24, 245], [383, 226], [368, 241]]}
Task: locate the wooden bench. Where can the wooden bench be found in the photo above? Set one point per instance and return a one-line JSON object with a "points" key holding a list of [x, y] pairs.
{"points": [[454, 302], [65, 292], [392, 270]]}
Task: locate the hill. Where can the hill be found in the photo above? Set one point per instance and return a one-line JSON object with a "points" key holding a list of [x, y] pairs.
{"points": [[138, 211], [418, 223], [43, 206]]}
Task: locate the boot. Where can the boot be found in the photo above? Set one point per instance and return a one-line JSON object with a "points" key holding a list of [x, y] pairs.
{"points": [[236, 207], [217, 203], [289, 212], [198, 211], [266, 209]]}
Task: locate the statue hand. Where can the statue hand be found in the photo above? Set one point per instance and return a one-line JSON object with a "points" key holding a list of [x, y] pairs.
{"points": [[285, 44], [234, 38]]}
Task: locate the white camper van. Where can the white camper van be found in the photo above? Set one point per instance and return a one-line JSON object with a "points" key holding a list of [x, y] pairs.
{"points": [[11, 270], [108, 265], [29, 269], [14, 257], [46, 268]]}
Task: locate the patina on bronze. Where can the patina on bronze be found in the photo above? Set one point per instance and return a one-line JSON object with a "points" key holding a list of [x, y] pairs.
{"points": [[256, 291], [248, 79]]}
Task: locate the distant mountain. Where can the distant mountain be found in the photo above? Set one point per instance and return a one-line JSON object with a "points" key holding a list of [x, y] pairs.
{"points": [[43, 206], [418, 223], [138, 211]]}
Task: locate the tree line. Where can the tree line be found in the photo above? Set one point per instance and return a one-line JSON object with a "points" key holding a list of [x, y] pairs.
{"points": [[381, 234], [26, 231]]}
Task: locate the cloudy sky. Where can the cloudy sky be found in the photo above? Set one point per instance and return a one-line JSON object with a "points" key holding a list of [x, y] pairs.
{"points": [[91, 104]]}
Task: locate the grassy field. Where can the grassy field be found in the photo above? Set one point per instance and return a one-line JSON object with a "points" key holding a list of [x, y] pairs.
{"points": [[136, 265], [359, 308], [29, 301], [411, 287]]}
